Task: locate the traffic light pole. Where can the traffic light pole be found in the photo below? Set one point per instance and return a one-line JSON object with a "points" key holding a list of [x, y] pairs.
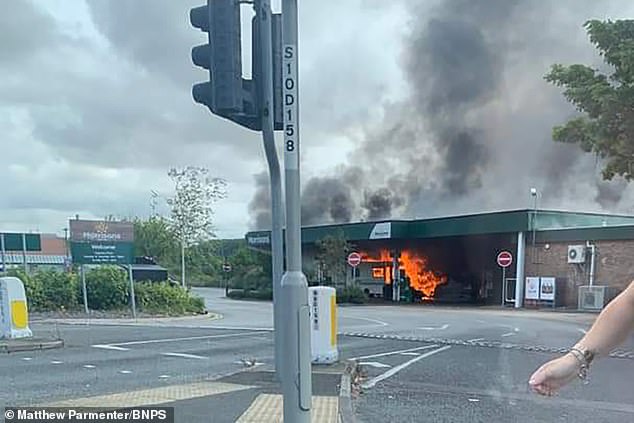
{"points": [[277, 214], [296, 381]]}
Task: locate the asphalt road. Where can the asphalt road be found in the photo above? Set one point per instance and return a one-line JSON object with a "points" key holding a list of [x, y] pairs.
{"points": [[421, 363]]}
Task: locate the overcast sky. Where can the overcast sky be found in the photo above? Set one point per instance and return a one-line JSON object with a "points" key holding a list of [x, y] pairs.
{"points": [[95, 103]]}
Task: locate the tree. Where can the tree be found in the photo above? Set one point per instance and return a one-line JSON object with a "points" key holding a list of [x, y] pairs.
{"points": [[606, 126], [154, 238], [332, 254], [192, 206], [251, 269]]}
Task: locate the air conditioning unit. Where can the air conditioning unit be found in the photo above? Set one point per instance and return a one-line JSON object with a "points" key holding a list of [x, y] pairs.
{"points": [[576, 254], [592, 297]]}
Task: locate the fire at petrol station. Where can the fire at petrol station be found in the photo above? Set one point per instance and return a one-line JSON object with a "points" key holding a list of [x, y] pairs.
{"points": [[518, 258]]}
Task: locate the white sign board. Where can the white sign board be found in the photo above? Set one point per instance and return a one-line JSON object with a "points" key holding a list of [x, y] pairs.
{"points": [[291, 112], [381, 231], [547, 289], [532, 288]]}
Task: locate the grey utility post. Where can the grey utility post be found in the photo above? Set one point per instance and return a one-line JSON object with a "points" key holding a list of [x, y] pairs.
{"points": [[4, 253], [263, 13], [296, 381]]}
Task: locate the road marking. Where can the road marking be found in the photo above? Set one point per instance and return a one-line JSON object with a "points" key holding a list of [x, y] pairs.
{"points": [[125, 372], [475, 340], [56, 362], [516, 329], [443, 327], [582, 331], [189, 338], [27, 358], [89, 366], [504, 335], [385, 354], [474, 400], [370, 383], [375, 364], [110, 347], [164, 376], [234, 328], [378, 322], [183, 355], [410, 353]]}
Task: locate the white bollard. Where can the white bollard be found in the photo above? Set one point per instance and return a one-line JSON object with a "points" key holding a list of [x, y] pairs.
{"points": [[323, 324], [14, 314]]}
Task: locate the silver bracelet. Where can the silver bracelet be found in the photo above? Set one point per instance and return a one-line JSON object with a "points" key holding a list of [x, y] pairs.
{"points": [[584, 364]]}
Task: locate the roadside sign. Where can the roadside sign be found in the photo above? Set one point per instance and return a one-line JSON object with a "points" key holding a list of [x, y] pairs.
{"points": [[101, 242], [505, 259], [226, 267], [354, 259]]}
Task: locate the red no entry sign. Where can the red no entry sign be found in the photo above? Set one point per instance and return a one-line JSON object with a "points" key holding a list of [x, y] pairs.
{"points": [[354, 259], [505, 258]]}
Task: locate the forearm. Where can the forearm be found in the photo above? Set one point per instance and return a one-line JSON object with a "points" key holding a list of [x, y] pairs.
{"points": [[613, 325]]}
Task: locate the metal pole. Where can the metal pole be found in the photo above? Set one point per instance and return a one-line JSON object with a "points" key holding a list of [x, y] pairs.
{"points": [[183, 263], [132, 299], [519, 271], [297, 379], [4, 258], [503, 286], [26, 266], [268, 137], [83, 288]]}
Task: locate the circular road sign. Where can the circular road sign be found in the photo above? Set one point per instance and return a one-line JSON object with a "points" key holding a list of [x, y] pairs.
{"points": [[354, 259], [505, 259]]}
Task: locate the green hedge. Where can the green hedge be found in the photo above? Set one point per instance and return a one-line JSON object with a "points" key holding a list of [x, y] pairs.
{"points": [[164, 298], [49, 289], [263, 294], [107, 288], [353, 294]]}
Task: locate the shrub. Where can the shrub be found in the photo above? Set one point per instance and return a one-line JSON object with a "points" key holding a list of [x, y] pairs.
{"points": [[59, 289], [352, 294], [107, 288], [164, 298], [260, 294], [33, 289]]}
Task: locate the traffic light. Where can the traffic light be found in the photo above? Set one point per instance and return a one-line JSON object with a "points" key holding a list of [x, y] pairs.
{"points": [[227, 94]]}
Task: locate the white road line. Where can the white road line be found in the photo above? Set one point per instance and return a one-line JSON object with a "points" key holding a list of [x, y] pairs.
{"points": [[370, 383], [378, 322], [56, 362], [189, 338], [504, 335], [516, 329], [27, 358], [443, 327], [89, 366], [164, 376], [375, 364], [410, 353], [475, 340], [183, 355], [385, 354], [582, 331], [125, 372], [110, 347], [233, 328]]}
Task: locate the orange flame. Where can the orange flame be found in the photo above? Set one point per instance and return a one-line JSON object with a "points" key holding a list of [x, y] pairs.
{"points": [[420, 277], [415, 266]]}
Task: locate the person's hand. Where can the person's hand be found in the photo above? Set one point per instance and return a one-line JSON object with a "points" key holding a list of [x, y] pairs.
{"points": [[555, 374]]}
